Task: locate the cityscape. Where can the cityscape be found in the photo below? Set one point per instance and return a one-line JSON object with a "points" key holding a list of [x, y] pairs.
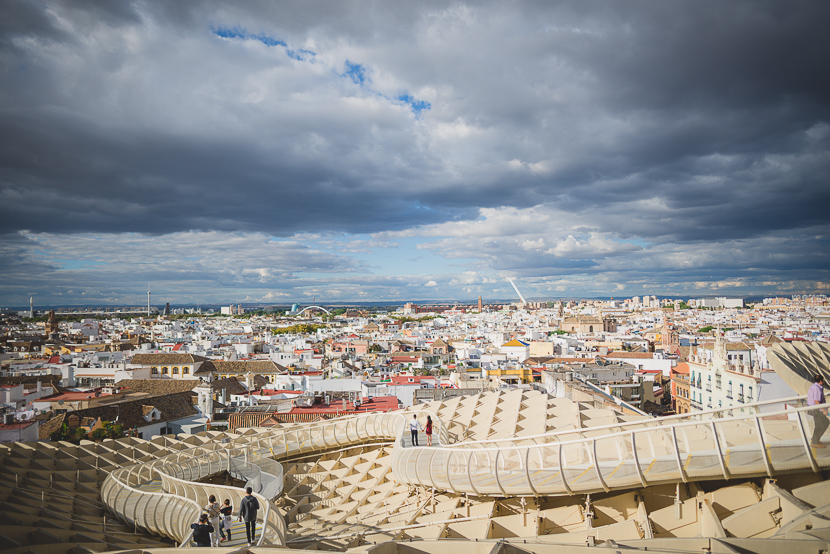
{"points": [[500, 278]]}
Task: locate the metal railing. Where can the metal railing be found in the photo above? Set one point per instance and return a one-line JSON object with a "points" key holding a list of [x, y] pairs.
{"points": [[246, 456], [164, 514], [127, 491], [751, 440], [677, 450], [699, 415]]}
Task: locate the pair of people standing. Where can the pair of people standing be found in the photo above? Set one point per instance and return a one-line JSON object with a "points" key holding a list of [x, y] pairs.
{"points": [[414, 426], [219, 518], [210, 526]]}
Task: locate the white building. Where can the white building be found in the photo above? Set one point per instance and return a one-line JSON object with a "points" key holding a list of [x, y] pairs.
{"points": [[515, 350], [724, 375]]}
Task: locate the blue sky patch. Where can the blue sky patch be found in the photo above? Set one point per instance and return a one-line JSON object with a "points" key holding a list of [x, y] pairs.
{"points": [[356, 72], [417, 105], [300, 54], [236, 32]]}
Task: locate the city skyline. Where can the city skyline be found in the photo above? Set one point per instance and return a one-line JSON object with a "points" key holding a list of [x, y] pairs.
{"points": [[348, 152]]}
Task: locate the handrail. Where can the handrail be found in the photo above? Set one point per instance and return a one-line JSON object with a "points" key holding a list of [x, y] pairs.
{"points": [[625, 432], [704, 445], [171, 468], [632, 465], [656, 422], [405, 460], [183, 532], [238, 494], [199, 463]]}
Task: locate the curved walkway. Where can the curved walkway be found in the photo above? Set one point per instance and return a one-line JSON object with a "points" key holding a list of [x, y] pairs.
{"points": [[762, 439], [163, 497]]}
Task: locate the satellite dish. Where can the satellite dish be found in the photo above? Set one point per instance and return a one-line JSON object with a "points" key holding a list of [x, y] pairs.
{"points": [[60, 402]]}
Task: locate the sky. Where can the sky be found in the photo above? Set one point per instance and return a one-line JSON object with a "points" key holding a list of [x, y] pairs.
{"points": [[271, 152]]}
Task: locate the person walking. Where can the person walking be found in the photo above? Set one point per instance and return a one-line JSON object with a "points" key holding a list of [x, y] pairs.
{"points": [[214, 517], [428, 431], [413, 428], [227, 520], [815, 397], [247, 512], [202, 531]]}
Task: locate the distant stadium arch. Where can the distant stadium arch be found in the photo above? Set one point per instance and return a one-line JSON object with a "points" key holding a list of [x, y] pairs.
{"points": [[310, 307]]}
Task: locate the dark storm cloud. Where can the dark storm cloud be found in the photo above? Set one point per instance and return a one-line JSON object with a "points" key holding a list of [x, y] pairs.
{"points": [[680, 82]]}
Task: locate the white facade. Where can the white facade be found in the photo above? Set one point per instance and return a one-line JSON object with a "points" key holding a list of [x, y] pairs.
{"points": [[720, 379]]}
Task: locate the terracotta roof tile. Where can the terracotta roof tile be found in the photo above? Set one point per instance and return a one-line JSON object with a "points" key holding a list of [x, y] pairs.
{"points": [[164, 358], [241, 367]]}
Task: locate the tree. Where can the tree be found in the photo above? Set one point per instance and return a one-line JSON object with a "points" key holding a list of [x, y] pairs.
{"points": [[74, 436], [299, 329], [114, 430], [78, 435], [59, 434], [99, 434]]}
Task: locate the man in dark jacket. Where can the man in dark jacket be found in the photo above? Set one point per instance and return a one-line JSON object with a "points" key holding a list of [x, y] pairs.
{"points": [[247, 512], [202, 531]]}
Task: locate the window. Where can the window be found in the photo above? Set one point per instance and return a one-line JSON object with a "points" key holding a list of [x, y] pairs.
{"points": [[185, 370], [154, 370], [749, 396], [164, 371], [175, 371], [720, 403], [729, 390]]}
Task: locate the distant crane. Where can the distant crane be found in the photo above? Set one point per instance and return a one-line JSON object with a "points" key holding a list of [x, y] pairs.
{"points": [[517, 290]]}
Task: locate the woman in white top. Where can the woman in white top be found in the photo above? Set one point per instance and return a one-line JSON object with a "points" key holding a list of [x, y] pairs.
{"points": [[227, 519], [214, 518]]}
